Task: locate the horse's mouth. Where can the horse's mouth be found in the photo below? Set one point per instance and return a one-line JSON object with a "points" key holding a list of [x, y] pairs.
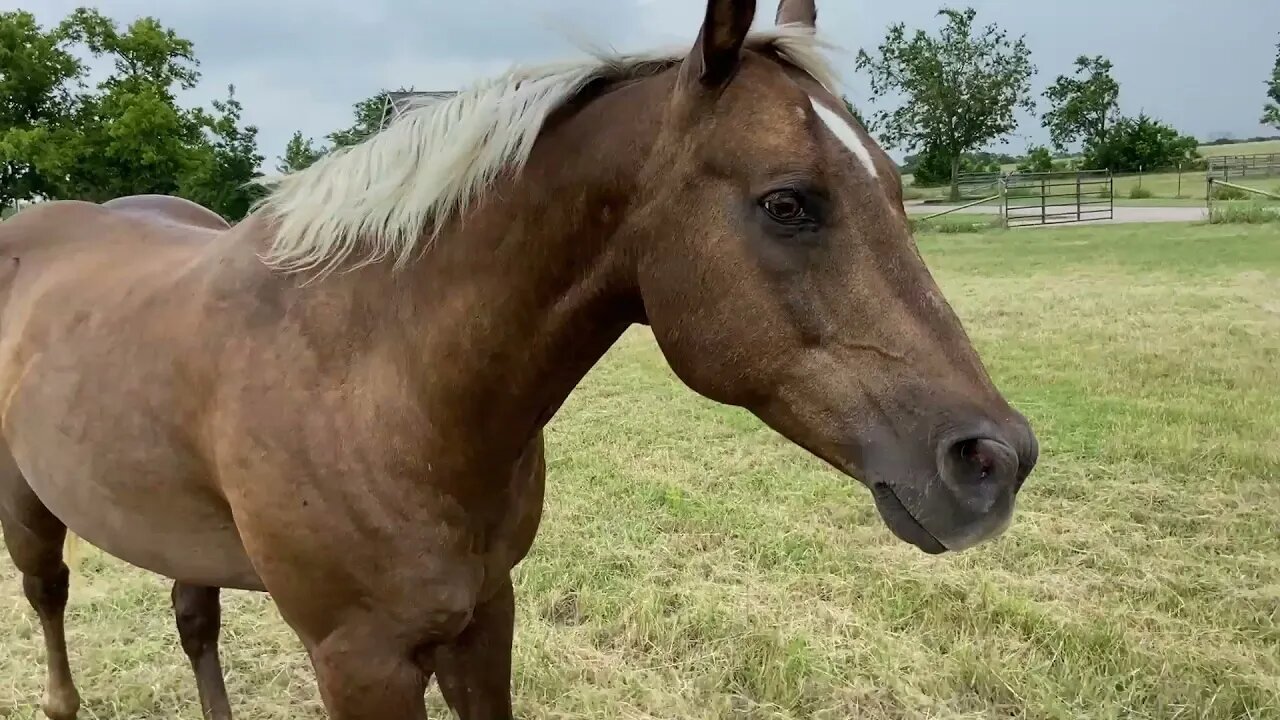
{"points": [[902, 523]]}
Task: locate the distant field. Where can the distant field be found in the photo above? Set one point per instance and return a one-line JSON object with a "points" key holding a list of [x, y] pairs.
{"points": [[693, 565], [1250, 148]]}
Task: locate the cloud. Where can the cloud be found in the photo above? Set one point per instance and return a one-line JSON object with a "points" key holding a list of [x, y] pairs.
{"points": [[301, 64]]}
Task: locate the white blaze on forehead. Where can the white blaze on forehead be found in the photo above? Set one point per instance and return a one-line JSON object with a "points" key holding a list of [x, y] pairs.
{"points": [[846, 134]]}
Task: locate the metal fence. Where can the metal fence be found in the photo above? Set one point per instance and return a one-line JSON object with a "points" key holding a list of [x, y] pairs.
{"points": [[1241, 167], [1054, 198], [978, 184]]}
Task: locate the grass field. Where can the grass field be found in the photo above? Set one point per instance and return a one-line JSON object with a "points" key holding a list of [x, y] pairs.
{"points": [[693, 565]]}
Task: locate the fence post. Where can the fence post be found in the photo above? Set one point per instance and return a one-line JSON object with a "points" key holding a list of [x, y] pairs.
{"points": [[1004, 201], [1042, 199], [1077, 197]]}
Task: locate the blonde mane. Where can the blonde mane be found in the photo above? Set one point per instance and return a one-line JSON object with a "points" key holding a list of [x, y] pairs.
{"points": [[399, 187]]}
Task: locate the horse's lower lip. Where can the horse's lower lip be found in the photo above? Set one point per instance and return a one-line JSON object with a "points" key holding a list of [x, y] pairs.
{"points": [[902, 523]]}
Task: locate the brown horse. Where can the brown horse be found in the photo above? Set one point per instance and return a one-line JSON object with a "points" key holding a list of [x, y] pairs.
{"points": [[365, 441]]}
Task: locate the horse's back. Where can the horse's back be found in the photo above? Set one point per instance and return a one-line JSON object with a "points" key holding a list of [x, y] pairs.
{"points": [[114, 226], [101, 382], [170, 209]]}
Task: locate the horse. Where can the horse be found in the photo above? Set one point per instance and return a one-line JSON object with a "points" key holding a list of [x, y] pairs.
{"points": [[170, 209], [341, 399]]}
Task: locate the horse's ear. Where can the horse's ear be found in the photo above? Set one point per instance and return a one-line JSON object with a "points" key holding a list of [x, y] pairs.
{"points": [[798, 12], [718, 51]]}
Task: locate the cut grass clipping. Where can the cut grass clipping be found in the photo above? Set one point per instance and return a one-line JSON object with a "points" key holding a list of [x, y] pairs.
{"points": [[694, 565]]}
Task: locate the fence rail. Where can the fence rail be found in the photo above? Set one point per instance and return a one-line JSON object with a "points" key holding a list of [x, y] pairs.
{"points": [[1240, 167], [1053, 198], [1214, 181], [972, 184]]}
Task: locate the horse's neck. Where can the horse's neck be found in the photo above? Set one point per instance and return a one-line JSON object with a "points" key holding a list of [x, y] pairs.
{"points": [[528, 293]]}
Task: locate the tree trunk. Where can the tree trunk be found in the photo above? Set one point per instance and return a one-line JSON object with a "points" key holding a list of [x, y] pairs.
{"points": [[955, 177]]}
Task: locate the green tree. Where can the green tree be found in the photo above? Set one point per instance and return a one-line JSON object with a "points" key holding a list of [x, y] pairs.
{"points": [[36, 72], [146, 52], [1082, 105], [1271, 110], [368, 119], [1038, 160], [221, 177], [130, 136], [1141, 143], [300, 153], [959, 90], [853, 110]]}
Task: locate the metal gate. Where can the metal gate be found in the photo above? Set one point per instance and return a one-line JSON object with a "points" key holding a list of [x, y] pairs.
{"points": [[1054, 198]]}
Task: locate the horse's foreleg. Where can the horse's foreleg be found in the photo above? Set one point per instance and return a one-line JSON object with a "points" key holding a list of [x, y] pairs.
{"points": [[34, 538], [474, 671], [365, 675], [199, 617]]}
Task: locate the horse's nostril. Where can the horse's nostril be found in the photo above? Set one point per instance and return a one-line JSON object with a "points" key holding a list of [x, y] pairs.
{"points": [[976, 456], [979, 460]]}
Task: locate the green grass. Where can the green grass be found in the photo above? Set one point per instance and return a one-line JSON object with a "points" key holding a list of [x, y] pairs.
{"points": [[957, 222], [1246, 213], [693, 565]]}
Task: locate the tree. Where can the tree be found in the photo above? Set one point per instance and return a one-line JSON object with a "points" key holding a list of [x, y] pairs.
{"points": [[221, 177], [1141, 143], [932, 167], [1038, 160], [147, 52], [960, 90], [299, 154], [368, 119], [1271, 110], [36, 69], [853, 110], [1082, 106], [130, 136]]}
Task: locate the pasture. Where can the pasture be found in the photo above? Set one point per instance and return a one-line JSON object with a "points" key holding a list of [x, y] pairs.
{"points": [[694, 565], [1161, 189]]}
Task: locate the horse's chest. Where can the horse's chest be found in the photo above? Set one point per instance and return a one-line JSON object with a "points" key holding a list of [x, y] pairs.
{"points": [[520, 511]]}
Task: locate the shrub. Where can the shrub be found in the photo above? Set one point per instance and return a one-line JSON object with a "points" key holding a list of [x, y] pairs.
{"points": [[1250, 214], [1038, 159], [1138, 192], [1141, 143]]}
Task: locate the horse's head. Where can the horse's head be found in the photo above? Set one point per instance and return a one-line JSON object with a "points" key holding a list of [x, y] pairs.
{"points": [[778, 273]]}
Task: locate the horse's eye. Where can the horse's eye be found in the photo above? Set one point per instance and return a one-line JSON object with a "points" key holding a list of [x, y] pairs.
{"points": [[785, 206]]}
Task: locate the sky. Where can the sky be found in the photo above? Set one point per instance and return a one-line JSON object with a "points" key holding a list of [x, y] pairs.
{"points": [[301, 64]]}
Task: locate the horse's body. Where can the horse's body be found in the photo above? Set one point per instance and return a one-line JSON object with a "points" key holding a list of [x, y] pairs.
{"points": [[368, 447]]}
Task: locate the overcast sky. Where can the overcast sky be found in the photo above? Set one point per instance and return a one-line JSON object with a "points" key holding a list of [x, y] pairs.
{"points": [[300, 64]]}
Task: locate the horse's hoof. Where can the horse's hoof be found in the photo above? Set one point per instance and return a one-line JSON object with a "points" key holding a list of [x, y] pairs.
{"points": [[62, 707]]}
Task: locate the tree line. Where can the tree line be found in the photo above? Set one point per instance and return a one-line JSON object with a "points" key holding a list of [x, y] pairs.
{"points": [[64, 137], [959, 90]]}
